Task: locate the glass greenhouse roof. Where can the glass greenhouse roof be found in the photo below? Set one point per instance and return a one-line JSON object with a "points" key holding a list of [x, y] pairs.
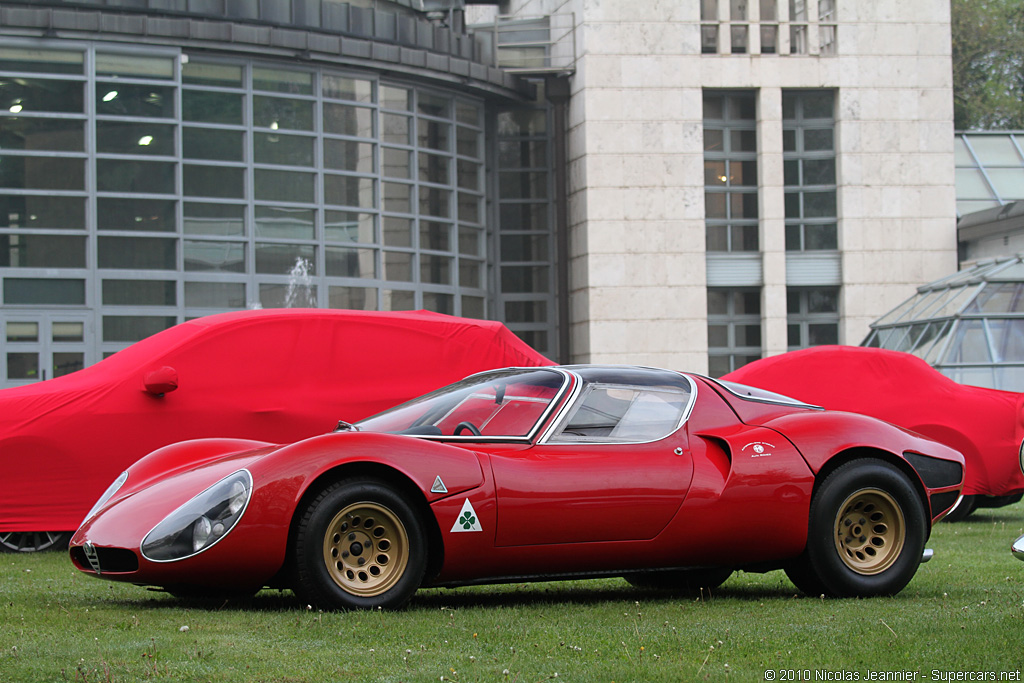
{"points": [[969, 325], [989, 169]]}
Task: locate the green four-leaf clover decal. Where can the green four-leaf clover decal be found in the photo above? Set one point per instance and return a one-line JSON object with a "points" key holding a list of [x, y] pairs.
{"points": [[467, 520]]}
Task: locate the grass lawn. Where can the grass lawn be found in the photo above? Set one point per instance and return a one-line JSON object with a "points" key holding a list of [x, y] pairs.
{"points": [[961, 616]]}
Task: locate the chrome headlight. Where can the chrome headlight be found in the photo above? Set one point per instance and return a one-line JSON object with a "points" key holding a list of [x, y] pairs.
{"points": [[107, 495], [201, 522], [1020, 456]]}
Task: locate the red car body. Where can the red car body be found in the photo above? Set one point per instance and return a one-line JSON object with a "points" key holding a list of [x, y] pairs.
{"points": [[985, 425], [662, 477], [273, 375]]}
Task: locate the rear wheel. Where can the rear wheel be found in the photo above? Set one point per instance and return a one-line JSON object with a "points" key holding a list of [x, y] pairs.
{"points": [[359, 544], [866, 533], [683, 581], [34, 541]]}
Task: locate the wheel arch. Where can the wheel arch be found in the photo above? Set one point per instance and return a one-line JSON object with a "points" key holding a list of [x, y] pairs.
{"points": [[862, 452], [388, 475]]}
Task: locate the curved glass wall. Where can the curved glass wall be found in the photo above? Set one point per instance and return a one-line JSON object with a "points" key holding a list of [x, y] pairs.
{"points": [[969, 326], [144, 187]]}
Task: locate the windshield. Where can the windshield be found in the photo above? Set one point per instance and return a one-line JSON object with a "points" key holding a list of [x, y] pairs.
{"points": [[501, 403]]}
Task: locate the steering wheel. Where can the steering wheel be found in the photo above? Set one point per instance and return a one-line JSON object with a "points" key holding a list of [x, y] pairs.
{"points": [[468, 426]]}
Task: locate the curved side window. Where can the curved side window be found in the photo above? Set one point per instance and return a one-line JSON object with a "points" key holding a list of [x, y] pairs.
{"points": [[619, 413]]}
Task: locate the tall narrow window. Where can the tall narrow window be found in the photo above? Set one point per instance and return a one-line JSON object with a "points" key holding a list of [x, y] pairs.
{"points": [[730, 172], [734, 328], [709, 26], [812, 316], [809, 162]]}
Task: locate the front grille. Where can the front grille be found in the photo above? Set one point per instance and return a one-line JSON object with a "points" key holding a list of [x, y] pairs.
{"points": [[936, 473], [106, 560]]}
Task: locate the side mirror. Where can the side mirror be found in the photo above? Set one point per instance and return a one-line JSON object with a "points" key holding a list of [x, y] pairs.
{"points": [[161, 381]]}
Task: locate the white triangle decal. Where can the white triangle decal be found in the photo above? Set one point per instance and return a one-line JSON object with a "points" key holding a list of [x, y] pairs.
{"points": [[467, 521], [438, 486]]}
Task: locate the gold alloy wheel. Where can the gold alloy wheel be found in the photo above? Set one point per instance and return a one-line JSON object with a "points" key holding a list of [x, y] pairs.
{"points": [[366, 549], [870, 531]]}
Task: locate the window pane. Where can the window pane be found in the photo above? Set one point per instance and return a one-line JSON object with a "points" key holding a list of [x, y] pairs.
{"points": [[42, 251], [397, 163], [279, 113], [346, 226], [347, 155], [61, 213], [212, 143], [348, 191], [281, 80], [818, 140], [281, 258], [139, 293], [214, 295], [127, 99], [155, 215], [342, 262], [435, 235], [434, 168], [345, 119], [142, 253], [66, 362], [24, 95], [395, 98], [214, 219], [397, 197], [395, 129], [117, 137], [436, 202], [435, 269], [59, 135], [345, 88], [224, 75], [23, 366], [467, 142], [211, 107], [134, 65], [42, 173], [213, 181], [285, 223], [397, 232], [284, 186], [41, 60], [31, 291], [148, 177], [398, 266], [214, 257], [355, 298], [133, 328]]}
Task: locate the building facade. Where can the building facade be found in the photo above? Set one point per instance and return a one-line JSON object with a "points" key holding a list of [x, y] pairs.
{"points": [[752, 176], [692, 185]]}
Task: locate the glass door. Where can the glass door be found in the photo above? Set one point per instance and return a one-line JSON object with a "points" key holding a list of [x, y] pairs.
{"points": [[39, 347]]}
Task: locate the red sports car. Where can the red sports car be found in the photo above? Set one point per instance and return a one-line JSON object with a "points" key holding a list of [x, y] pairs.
{"points": [[985, 425], [668, 479], [275, 375]]}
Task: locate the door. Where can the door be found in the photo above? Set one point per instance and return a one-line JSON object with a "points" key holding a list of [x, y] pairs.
{"points": [[38, 347], [617, 469]]}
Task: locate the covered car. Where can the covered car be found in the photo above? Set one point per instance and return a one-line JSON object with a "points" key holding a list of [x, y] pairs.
{"points": [[668, 479], [274, 375], [985, 425]]}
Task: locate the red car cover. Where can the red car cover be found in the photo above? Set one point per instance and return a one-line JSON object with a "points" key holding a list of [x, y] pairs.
{"points": [[274, 375], [983, 424]]}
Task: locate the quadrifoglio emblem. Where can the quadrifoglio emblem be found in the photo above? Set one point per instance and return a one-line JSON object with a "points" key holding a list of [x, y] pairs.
{"points": [[467, 519], [758, 449]]}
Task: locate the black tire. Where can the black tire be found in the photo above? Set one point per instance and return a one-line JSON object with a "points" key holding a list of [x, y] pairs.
{"points": [[866, 533], [688, 581], [358, 545], [34, 541], [962, 510]]}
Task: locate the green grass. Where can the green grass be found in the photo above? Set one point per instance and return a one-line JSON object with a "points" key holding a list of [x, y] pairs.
{"points": [[963, 612]]}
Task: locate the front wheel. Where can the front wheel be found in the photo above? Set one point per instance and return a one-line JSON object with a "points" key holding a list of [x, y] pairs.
{"points": [[359, 545], [866, 533]]}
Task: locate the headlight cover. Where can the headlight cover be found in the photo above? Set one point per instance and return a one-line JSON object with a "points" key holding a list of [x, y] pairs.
{"points": [[201, 522], [107, 495]]}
